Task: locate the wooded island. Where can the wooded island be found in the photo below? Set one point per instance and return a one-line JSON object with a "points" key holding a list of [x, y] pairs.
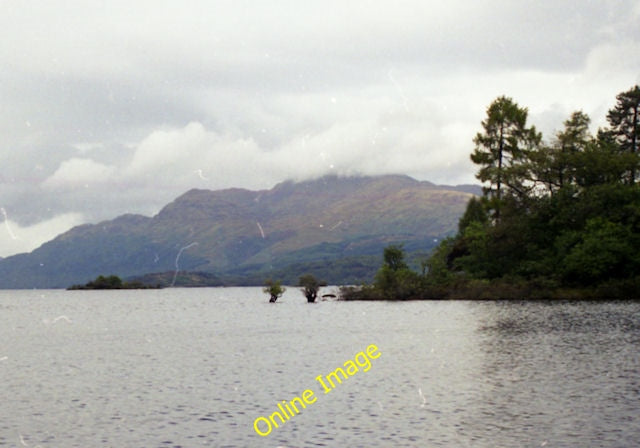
{"points": [[557, 219]]}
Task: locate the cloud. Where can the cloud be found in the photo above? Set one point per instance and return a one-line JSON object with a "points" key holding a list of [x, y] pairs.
{"points": [[18, 239], [77, 172], [613, 60], [122, 106], [193, 156]]}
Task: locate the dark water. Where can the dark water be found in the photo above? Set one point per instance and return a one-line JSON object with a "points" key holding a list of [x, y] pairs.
{"points": [[196, 367]]}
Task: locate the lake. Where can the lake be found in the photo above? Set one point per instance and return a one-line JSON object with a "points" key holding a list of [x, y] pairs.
{"points": [[197, 367]]}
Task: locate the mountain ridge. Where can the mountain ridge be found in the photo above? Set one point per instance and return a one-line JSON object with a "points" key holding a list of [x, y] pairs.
{"points": [[248, 234]]}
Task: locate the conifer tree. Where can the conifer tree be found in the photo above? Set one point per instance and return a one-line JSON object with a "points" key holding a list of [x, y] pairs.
{"points": [[555, 165], [502, 150], [624, 120]]}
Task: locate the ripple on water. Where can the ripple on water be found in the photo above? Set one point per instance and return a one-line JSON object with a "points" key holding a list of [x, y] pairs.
{"points": [[196, 367]]}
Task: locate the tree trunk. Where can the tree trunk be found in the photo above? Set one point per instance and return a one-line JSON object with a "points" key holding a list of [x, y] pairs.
{"points": [[499, 180], [634, 142]]}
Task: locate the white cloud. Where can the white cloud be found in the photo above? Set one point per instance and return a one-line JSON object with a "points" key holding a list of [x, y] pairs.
{"points": [[193, 156], [613, 60], [121, 106], [77, 172], [168, 150], [18, 239]]}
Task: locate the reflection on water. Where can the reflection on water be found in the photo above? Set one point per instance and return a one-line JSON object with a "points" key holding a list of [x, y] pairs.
{"points": [[561, 374], [195, 367]]}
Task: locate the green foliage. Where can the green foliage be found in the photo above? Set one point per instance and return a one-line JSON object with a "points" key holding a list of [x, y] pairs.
{"points": [[394, 258], [102, 282], [394, 280], [603, 250], [439, 269], [566, 220], [568, 215], [274, 289], [398, 284], [502, 150], [111, 282], [476, 212], [624, 120], [555, 165], [601, 162], [310, 287], [476, 256]]}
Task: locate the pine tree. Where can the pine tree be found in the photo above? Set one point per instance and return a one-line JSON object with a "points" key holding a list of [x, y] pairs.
{"points": [[502, 150], [555, 165], [624, 120]]}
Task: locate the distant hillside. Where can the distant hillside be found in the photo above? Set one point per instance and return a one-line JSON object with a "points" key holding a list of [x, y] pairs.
{"points": [[333, 226]]}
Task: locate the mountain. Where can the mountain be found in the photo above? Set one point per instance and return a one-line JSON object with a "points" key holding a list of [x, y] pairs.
{"points": [[333, 227]]}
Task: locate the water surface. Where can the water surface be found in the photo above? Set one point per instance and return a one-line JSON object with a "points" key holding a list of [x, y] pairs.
{"points": [[196, 367]]}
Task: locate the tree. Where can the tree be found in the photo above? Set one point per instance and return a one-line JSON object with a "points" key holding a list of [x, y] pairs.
{"points": [[601, 163], [310, 287], [583, 233], [394, 280], [624, 119], [274, 289], [502, 149], [440, 270], [475, 212], [602, 251], [394, 257], [102, 282], [555, 165]]}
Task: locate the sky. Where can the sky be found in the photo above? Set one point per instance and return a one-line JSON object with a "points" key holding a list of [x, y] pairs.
{"points": [[112, 107]]}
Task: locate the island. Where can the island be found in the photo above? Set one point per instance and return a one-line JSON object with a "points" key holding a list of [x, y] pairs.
{"points": [[557, 219], [112, 282]]}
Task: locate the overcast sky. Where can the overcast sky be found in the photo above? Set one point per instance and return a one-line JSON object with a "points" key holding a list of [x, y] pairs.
{"points": [[113, 106]]}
